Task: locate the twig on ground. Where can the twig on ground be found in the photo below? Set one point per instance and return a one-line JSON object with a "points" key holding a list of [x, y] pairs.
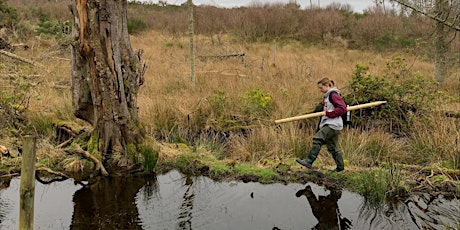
{"points": [[65, 143]]}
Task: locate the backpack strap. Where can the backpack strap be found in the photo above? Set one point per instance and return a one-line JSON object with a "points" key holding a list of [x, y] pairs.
{"points": [[330, 98]]}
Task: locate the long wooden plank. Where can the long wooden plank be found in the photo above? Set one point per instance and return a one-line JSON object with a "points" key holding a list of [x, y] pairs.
{"points": [[318, 114]]}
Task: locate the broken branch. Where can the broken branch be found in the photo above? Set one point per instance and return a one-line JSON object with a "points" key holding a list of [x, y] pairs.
{"points": [[99, 167], [14, 56]]}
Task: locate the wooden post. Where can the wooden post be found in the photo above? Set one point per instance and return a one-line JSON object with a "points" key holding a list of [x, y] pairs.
{"points": [[192, 43], [27, 189]]}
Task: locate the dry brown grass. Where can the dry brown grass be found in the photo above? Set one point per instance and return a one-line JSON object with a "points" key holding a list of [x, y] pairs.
{"points": [[288, 71], [435, 139], [289, 74]]}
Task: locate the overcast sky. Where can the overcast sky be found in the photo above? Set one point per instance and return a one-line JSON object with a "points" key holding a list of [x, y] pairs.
{"points": [[357, 5]]}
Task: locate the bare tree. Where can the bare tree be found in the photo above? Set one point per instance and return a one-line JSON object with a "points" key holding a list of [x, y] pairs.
{"points": [[449, 15], [106, 75], [446, 14]]}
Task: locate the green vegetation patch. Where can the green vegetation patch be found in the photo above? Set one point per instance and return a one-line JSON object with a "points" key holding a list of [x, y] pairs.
{"points": [[265, 175], [376, 185]]}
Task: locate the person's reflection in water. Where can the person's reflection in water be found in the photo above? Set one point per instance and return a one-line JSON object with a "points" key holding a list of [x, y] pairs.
{"points": [[326, 209], [110, 203]]}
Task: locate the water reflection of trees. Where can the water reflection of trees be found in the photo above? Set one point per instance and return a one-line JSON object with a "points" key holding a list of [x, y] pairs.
{"points": [[110, 203], [417, 212]]}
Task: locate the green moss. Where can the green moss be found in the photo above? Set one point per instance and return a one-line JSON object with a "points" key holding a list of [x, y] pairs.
{"points": [[265, 175], [219, 169], [439, 179], [184, 161], [93, 144]]}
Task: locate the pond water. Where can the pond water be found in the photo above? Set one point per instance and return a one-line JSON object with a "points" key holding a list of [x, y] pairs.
{"points": [[175, 201]]}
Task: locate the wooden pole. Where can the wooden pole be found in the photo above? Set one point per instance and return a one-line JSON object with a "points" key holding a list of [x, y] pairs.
{"points": [[318, 114], [191, 30], [27, 189]]}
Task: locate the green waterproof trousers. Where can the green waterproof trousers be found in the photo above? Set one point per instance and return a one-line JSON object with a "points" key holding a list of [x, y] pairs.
{"points": [[329, 137]]}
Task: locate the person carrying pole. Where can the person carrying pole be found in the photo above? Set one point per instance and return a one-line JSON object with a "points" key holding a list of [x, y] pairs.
{"points": [[329, 127]]}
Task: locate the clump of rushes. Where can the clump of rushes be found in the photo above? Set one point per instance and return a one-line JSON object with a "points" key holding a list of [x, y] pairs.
{"points": [[434, 139], [146, 153], [362, 148], [370, 184], [377, 184]]}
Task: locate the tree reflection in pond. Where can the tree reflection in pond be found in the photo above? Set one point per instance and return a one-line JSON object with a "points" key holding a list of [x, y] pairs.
{"points": [[110, 203], [175, 201]]}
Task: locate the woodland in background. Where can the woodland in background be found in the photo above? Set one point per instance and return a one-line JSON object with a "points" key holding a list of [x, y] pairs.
{"points": [[376, 28]]}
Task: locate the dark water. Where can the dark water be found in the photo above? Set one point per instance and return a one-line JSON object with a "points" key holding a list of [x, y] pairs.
{"points": [[174, 201]]}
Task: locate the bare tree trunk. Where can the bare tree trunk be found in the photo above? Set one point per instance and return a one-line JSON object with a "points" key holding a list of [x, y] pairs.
{"points": [[440, 44], [191, 30], [106, 74]]}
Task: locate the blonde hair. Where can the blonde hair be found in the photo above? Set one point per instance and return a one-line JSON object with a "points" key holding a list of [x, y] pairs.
{"points": [[326, 81]]}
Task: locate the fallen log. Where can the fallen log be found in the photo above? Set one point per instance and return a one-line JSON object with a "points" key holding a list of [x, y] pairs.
{"points": [[223, 56], [14, 56], [319, 114]]}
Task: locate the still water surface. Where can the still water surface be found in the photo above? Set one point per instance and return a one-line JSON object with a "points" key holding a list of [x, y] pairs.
{"points": [[175, 201]]}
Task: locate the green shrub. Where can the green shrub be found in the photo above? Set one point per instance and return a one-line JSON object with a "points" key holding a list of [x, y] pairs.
{"points": [[136, 25], [389, 40], [48, 28], [9, 16], [405, 93], [257, 103]]}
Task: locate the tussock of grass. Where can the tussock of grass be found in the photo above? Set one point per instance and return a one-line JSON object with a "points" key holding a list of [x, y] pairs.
{"points": [[377, 185], [368, 148], [435, 139]]}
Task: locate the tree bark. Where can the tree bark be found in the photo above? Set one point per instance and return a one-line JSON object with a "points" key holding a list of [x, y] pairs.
{"points": [[440, 44], [106, 74]]}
